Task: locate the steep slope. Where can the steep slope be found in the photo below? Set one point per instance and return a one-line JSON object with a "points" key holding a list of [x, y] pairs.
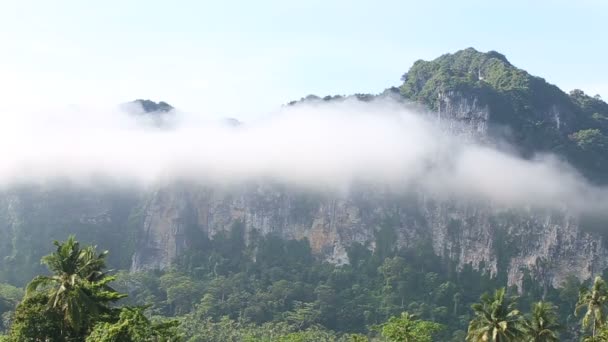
{"points": [[502, 241]]}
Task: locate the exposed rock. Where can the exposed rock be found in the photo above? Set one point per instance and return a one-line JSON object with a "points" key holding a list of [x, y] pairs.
{"points": [[486, 237]]}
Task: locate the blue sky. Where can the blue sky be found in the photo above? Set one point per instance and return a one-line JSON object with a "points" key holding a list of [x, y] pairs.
{"points": [[245, 58]]}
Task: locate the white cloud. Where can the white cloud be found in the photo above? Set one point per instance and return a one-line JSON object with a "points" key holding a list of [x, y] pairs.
{"points": [[322, 146]]}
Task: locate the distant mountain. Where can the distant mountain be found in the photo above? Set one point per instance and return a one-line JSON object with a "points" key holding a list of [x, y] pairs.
{"points": [[491, 99], [149, 106], [523, 109], [497, 101]]}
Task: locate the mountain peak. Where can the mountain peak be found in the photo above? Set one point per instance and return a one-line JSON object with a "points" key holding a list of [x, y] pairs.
{"points": [[472, 54], [463, 70], [149, 106], [486, 90]]}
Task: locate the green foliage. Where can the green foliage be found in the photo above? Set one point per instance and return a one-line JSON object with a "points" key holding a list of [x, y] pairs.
{"points": [[34, 320], [225, 329], [594, 302], [78, 287], [407, 328], [277, 281], [590, 140], [134, 326], [539, 116], [496, 319], [541, 324], [601, 336], [73, 303], [10, 296], [223, 299], [291, 298]]}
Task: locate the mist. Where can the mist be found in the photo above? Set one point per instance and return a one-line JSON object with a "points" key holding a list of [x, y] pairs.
{"points": [[318, 146]]}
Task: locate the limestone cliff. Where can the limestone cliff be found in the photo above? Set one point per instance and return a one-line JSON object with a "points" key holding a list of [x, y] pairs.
{"points": [[478, 96], [549, 244]]}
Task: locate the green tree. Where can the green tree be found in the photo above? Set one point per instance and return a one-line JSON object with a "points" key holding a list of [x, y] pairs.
{"points": [[601, 336], [78, 287], [134, 326], [496, 319], [180, 290], [312, 334], [303, 315], [594, 302], [34, 320], [10, 296], [407, 328], [541, 324]]}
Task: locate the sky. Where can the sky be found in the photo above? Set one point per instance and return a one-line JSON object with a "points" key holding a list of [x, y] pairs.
{"points": [[245, 58]]}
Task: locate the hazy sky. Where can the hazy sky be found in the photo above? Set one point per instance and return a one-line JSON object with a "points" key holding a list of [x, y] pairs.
{"points": [[243, 58]]}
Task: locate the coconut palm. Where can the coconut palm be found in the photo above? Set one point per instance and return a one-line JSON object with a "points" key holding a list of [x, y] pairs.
{"points": [[78, 287], [594, 302], [541, 324], [496, 319], [601, 336]]}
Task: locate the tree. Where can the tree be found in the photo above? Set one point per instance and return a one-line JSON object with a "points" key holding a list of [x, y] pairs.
{"points": [[407, 328], [34, 320], [78, 287], [601, 336], [303, 315], [541, 324], [594, 301], [134, 326], [10, 296], [496, 319]]}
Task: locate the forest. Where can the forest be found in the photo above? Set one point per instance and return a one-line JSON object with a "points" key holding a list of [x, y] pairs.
{"points": [[276, 290]]}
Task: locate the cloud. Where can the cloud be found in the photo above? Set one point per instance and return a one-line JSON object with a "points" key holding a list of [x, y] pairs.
{"points": [[329, 146]]}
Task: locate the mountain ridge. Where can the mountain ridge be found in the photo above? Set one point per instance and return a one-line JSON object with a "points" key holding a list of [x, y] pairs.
{"points": [[477, 90], [507, 103]]}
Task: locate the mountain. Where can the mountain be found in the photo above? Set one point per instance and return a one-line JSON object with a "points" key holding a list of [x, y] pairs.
{"points": [[148, 106], [491, 101], [504, 102]]}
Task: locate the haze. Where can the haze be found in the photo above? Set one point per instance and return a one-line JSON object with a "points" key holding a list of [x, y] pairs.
{"points": [[320, 146]]}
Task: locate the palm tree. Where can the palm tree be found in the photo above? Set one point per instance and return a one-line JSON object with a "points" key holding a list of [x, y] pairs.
{"points": [[541, 324], [496, 319], [601, 336], [78, 288], [594, 301]]}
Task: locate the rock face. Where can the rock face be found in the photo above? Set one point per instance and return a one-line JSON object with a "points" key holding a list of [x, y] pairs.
{"points": [[465, 115], [550, 245], [478, 96]]}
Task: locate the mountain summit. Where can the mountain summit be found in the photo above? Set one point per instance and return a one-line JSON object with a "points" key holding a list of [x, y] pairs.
{"points": [[494, 100], [487, 91], [149, 106]]}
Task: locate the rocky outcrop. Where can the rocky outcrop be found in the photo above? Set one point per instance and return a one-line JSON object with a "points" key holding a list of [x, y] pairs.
{"points": [[551, 245], [463, 114]]}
